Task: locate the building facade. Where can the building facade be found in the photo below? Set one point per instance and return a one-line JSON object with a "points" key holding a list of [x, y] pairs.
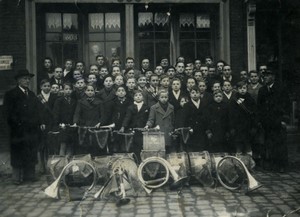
{"points": [[82, 29]]}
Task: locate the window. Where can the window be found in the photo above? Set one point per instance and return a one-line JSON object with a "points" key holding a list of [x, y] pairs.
{"points": [[195, 35], [104, 35], [61, 36], [153, 36]]}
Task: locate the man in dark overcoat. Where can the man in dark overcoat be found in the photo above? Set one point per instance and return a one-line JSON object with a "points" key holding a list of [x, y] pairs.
{"points": [[22, 112], [273, 108]]}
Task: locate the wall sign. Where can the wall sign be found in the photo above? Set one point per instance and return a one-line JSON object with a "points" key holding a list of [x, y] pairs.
{"points": [[6, 62]]}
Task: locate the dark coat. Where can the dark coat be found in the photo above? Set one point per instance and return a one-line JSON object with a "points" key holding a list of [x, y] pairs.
{"points": [[176, 102], [135, 118], [150, 97], [194, 118], [63, 111], [88, 113], [243, 120], [46, 110], [22, 113], [106, 95], [216, 122]]}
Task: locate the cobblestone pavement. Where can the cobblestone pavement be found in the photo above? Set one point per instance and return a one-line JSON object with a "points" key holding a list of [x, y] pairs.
{"points": [[280, 194]]}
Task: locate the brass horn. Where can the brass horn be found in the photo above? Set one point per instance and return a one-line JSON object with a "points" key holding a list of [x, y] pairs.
{"points": [[161, 181], [53, 189], [253, 184]]}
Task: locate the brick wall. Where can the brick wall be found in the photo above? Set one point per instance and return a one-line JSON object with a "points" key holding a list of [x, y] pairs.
{"points": [[238, 36], [12, 42]]}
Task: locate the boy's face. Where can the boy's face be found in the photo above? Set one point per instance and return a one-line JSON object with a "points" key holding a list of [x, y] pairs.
{"points": [[116, 63], [202, 87], [180, 59], [94, 70], [145, 64], [68, 65], [242, 90], [243, 75], [218, 97], [47, 63], [130, 74], [204, 71], [77, 74], [148, 74], [100, 61], [197, 64], [154, 81], [190, 83], [182, 102], [58, 73], [226, 71], [142, 81], [103, 72], [130, 83], [67, 90], [130, 63], [79, 66], [46, 87], [208, 61], [216, 86], [119, 80], [92, 79], [108, 82], [176, 85], [254, 78], [164, 62], [121, 93], [89, 91], [198, 76], [138, 97], [159, 70], [116, 71], [189, 71], [165, 82], [212, 71], [227, 88], [220, 66], [163, 98], [171, 72], [195, 95], [180, 67], [54, 88], [80, 84]]}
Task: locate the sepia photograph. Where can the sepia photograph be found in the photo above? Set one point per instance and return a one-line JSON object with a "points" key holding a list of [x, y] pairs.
{"points": [[149, 108]]}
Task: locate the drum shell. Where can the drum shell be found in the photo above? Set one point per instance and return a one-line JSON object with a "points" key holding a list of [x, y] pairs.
{"points": [[154, 141], [216, 157], [150, 153], [179, 162]]}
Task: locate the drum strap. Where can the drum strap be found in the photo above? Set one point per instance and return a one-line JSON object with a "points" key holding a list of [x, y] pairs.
{"points": [[185, 133], [101, 137]]}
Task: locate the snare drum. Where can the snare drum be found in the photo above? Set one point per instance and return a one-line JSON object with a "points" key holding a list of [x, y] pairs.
{"points": [[215, 159], [179, 162], [201, 167]]}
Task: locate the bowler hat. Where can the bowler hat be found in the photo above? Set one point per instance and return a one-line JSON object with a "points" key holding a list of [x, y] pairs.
{"points": [[23, 72]]}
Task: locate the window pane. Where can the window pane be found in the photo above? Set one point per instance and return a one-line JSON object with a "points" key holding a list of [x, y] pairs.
{"points": [[70, 51], [69, 37], [113, 50], [187, 49], [161, 21], [95, 48], [187, 35], [203, 21], [53, 37], [145, 21], [112, 22], [203, 35], [147, 51], [53, 22], [162, 35], [54, 50], [96, 22], [162, 50], [146, 35], [113, 36], [203, 49], [187, 22], [96, 37], [70, 22]]}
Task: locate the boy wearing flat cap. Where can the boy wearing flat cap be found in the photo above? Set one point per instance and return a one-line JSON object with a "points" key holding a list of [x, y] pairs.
{"points": [[22, 109]]}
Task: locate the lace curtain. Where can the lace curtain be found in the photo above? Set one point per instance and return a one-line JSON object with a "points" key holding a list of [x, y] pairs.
{"points": [[112, 20], [53, 20], [96, 21], [145, 19], [70, 21], [161, 19], [203, 21], [186, 20]]}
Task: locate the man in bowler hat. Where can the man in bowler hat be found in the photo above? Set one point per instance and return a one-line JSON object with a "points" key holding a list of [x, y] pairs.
{"points": [[21, 107]]}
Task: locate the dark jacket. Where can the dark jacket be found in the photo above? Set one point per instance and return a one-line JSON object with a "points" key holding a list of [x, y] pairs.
{"points": [[135, 118], [63, 111], [23, 118]]}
